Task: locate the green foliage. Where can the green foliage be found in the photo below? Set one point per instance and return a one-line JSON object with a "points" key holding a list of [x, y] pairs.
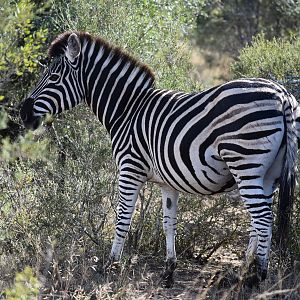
{"points": [[154, 31], [26, 146], [20, 46], [3, 119], [26, 286], [68, 194], [228, 26], [277, 59]]}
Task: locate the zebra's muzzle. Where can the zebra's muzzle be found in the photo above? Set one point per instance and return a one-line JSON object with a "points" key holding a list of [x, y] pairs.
{"points": [[26, 114]]}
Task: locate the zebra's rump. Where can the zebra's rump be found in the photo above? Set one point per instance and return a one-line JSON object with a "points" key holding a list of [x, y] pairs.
{"points": [[198, 141]]}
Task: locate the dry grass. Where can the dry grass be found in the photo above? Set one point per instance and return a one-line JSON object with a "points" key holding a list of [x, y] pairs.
{"points": [[138, 277], [73, 269]]}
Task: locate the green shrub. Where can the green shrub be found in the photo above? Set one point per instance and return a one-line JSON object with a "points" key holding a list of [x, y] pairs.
{"points": [[228, 26], [26, 286], [154, 31], [23, 34], [277, 58], [22, 43]]}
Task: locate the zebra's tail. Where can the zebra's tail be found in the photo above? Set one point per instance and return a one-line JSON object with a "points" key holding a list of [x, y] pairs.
{"points": [[288, 174]]}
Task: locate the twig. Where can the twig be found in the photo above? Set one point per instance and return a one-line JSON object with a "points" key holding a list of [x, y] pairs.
{"points": [[267, 295]]}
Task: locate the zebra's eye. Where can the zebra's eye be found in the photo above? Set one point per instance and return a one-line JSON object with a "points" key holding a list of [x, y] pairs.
{"points": [[54, 77]]}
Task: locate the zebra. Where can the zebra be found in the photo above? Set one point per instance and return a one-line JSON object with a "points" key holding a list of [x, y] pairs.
{"points": [[241, 135]]}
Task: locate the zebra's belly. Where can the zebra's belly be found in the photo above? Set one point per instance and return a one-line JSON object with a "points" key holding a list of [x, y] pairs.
{"points": [[211, 179]]}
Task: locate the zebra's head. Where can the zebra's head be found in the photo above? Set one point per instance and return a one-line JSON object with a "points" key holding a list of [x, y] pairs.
{"points": [[56, 91]]}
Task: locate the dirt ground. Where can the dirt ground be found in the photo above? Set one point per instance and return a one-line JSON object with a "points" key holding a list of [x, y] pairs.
{"points": [[219, 278], [193, 280]]}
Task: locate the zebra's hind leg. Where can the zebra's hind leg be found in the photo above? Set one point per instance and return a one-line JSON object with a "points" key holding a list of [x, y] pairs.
{"points": [[169, 203], [249, 271], [252, 246], [258, 205]]}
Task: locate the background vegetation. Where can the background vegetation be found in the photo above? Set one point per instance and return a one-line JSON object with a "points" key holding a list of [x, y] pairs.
{"points": [[58, 184]]}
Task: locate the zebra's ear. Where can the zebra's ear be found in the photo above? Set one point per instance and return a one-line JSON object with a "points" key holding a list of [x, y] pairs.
{"points": [[74, 47]]}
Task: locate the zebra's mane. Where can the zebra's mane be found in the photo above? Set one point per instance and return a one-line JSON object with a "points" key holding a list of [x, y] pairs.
{"points": [[59, 44]]}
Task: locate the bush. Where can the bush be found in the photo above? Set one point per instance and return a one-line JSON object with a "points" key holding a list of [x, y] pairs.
{"points": [[277, 58], [228, 26], [26, 286], [154, 31], [23, 33], [22, 46]]}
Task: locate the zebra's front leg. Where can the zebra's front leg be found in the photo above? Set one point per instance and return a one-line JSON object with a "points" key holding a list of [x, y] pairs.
{"points": [[170, 204], [128, 193]]}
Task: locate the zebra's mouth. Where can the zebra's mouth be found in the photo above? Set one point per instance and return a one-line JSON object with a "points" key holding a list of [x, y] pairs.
{"points": [[26, 113]]}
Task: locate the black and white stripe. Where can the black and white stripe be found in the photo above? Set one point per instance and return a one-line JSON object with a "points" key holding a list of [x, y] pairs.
{"points": [[241, 134]]}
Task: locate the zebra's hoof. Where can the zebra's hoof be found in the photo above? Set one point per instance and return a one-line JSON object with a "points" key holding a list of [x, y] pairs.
{"points": [[167, 280], [252, 280], [255, 275], [263, 275], [167, 276]]}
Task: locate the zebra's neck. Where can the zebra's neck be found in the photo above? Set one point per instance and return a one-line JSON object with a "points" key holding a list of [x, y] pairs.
{"points": [[115, 83]]}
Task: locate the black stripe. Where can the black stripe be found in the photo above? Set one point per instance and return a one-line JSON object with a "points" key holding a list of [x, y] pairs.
{"points": [[249, 177], [253, 205], [250, 187], [258, 134], [233, 159], [262, 224], [245, 166], [256, 196], [206, 176], [241, 150], [216, 158], [266, 209], [228, 185]]}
